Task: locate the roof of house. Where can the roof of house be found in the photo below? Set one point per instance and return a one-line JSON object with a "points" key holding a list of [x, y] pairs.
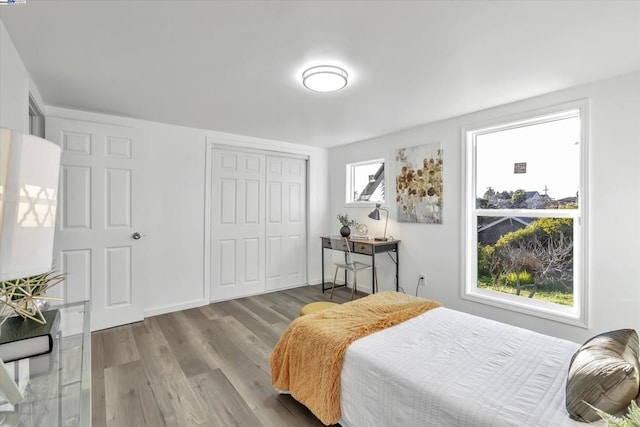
{"points": [[522, 220]]}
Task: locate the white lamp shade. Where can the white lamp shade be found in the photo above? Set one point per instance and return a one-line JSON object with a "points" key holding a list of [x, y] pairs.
{"points": [[29, 169]]}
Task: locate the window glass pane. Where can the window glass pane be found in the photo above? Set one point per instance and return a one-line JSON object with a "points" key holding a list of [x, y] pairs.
{"points": [[519, 258], [530, 257], [366, 182], [529, 167]]}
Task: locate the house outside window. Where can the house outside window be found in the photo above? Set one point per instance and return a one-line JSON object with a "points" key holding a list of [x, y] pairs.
{"points": [[524, 223], [365, 182]]}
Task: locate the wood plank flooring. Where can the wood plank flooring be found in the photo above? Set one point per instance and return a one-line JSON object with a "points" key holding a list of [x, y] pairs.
{"points": [[207, 366]]}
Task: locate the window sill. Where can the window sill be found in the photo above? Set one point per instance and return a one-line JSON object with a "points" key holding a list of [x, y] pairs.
{"points": [[523, 305], [365, 205]]}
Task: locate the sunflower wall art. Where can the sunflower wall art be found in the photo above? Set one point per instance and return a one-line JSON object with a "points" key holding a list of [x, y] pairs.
{"points": [[419, 187]]}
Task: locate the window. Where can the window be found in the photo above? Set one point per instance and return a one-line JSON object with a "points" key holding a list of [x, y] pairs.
{"points": [[524, 214], [36, 118], [365, 182]]}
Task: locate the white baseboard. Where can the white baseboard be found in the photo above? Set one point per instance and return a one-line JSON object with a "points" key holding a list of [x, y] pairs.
{"points": [[266, 291], [201, 302], [174, 307]]}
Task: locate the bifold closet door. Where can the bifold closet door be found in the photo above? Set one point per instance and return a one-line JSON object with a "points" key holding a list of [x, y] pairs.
{"points": [[237, 224], [258, 223], [286, 222]]}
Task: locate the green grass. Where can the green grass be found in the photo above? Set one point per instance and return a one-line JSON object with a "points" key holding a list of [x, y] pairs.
{"points": [[547, 295]]}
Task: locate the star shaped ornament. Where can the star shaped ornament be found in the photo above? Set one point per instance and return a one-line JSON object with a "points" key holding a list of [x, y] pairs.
{"points": [[25, 296]]}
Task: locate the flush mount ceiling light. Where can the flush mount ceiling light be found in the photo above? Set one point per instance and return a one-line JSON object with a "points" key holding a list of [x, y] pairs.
{"points": [[324, 78]]}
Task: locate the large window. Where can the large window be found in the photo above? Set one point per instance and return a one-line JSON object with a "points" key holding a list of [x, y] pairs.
{"points": [[365, 182], [524, 214]]}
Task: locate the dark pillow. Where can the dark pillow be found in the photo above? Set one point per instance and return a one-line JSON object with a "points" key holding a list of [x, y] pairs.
{"points": [[604, 372]]}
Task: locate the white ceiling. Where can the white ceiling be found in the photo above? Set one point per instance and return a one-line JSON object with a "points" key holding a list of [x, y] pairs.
{"points": [[235, 66]]}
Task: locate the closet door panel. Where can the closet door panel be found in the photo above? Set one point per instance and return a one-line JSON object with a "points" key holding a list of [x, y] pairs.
{"points": [[237, 224], [286, 227]]}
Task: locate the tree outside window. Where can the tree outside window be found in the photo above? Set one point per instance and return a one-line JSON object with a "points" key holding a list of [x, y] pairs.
{"points": [[524, 214]]}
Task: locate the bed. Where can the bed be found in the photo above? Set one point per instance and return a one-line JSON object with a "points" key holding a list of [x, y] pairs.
{"points": [[454, 369], [440, 367]]}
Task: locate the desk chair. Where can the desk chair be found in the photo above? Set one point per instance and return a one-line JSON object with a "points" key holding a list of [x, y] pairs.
{"points": [[343, 258]]}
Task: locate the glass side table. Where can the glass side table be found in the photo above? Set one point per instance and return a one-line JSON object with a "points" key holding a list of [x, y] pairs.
{"points": [[59, 389]]}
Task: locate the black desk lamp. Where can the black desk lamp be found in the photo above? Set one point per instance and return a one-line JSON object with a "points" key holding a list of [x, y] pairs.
{"points": [[375, 214]]}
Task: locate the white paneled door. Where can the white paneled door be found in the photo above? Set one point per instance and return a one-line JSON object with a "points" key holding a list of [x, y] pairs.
{"points": [[98, 242], [285, 223], [237, 218], [258, 223]]}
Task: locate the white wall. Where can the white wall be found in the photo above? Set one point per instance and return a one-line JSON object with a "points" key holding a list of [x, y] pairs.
{"points": [[14, 86], [174, 167], [174, 170], [613, 213]]}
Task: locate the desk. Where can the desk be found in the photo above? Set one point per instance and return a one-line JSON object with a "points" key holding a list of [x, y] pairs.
{"points": [[59, 389], [369, 248]]}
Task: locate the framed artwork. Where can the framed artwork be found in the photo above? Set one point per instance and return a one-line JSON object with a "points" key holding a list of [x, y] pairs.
{"points": [[419, 184]]}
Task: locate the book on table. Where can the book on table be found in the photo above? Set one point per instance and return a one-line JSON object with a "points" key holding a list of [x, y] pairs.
{"points": [[360, 237], [21, 338]]}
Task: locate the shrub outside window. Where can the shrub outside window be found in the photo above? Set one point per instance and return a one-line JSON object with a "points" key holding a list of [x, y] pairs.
{"points": [[524, 222], [365, 182]]}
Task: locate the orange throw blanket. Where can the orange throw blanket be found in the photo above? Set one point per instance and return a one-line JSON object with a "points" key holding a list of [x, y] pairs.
{"points": [[308, 358]]}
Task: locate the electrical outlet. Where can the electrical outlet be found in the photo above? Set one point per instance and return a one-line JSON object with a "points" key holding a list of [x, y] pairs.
{"points": [[423, 280]]}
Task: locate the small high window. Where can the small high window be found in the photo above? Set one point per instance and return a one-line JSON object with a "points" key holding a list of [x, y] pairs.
{"points": [[365, 182]]}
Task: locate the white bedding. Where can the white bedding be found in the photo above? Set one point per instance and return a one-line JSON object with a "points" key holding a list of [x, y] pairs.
{"points": [[447, 368]]}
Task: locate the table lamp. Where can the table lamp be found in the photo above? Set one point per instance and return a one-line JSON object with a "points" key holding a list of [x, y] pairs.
{"points": [[375, 214], [29, 169]]}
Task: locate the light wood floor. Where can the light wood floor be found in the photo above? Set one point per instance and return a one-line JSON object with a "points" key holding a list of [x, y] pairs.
{"points": [[207, 366]]}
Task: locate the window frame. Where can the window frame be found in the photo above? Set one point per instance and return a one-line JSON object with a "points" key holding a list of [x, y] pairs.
{"points": [[350, 178], [576, 315]]}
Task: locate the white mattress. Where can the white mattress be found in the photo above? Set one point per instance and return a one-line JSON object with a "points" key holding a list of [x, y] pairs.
{"points": [[447, 368]]}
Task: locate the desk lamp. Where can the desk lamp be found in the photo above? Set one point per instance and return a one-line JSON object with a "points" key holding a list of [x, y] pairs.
{"points": [[29, 168], [375, 214]]}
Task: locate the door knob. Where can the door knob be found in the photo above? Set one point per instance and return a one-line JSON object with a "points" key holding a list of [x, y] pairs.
{"points": [[136, 236]]}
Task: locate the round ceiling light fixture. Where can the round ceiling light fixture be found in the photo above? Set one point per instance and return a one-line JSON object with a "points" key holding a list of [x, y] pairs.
{"points": [[324, 78]]}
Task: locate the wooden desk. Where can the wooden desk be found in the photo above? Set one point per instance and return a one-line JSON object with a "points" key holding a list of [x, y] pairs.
{"points": [[369, 248]]}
